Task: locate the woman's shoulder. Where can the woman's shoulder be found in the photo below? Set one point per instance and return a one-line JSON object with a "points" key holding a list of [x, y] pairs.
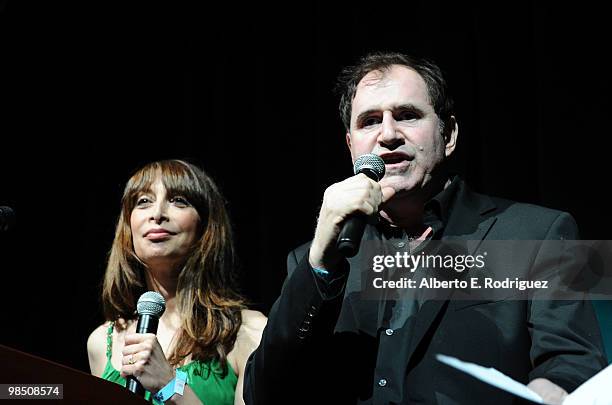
{"points": [[248, 338], [253, 319], [97, 338], [253, 324], [96, 348], [249, 334]]}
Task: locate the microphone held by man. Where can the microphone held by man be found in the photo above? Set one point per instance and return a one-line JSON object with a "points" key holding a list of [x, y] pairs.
{"points": [[352, 231], [342, 217]]}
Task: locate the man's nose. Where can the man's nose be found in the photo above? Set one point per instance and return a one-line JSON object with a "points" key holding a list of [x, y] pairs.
{"points": [[389, 135]]}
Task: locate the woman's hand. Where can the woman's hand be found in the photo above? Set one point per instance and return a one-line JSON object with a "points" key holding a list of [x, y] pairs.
{"points": [[144, 358]]}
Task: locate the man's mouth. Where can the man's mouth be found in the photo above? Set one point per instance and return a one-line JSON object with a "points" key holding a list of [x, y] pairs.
{"points": [[395, 158]]}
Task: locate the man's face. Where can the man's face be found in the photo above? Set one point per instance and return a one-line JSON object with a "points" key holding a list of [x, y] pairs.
{"points": [[392, 117]]}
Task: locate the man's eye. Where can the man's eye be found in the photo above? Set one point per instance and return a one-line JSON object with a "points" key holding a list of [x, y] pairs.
{"points": [[407, 116], [368, 122]]}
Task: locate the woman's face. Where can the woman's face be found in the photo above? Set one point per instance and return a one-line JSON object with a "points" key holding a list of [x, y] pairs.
{"points": [[164, 227]]}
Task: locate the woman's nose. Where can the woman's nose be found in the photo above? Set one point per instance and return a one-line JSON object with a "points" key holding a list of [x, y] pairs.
{"points": [[159, 214]]}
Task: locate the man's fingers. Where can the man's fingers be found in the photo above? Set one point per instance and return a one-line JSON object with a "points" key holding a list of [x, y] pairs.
{"points": [[387, 193], [549, 391]]}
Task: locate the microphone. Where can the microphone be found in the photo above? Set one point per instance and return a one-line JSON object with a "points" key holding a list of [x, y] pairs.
{"points": [[7, 218], [151, 305], [350, 236]]}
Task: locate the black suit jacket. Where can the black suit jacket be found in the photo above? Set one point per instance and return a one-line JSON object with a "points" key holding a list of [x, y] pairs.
{"points": [[327, 349]]}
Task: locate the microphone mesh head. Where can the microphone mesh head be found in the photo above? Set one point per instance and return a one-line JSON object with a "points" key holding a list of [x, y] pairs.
{"points": [[372, 163], [151, 303]]}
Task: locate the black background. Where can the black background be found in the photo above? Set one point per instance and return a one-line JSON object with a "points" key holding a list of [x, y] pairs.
{"points": [[90, 92]]}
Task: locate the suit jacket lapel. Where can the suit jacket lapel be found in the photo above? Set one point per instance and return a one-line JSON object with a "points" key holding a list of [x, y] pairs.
{"points": [[467, 222]]}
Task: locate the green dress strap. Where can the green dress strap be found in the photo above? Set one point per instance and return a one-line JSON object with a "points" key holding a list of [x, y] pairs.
{"points": [[109, 341]]}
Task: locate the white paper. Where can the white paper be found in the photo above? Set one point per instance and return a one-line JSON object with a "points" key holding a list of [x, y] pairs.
{"points": [[493, 377], [595, 391]]}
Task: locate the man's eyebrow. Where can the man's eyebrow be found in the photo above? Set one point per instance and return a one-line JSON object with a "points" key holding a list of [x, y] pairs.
{"points": [[395, 109], [408, 107], [367, 113]]}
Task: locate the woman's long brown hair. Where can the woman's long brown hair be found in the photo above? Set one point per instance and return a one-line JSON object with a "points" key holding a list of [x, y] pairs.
{"points": [[207, 299]]}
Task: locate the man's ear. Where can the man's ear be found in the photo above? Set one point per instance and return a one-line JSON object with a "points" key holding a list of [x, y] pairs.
{"points": [[348, 143], [451, 130]]}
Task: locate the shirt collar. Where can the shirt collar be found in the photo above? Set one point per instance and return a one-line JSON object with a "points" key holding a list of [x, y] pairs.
{"points": [[440, 205], [436, 211]]}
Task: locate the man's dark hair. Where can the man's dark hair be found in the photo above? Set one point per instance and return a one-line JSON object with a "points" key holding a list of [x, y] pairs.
{"points": [[348, 79]]}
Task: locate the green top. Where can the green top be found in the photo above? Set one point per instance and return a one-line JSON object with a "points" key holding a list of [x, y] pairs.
{"points": [[204, 378]]}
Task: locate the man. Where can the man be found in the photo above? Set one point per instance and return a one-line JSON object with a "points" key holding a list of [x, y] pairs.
{"points": [[328, 343]]}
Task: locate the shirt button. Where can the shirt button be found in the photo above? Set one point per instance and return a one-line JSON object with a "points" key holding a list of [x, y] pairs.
{"points": [[389, 332], [382, 382], [401, 244]]}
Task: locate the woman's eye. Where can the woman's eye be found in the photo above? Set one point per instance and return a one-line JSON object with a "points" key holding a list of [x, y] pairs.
{"points": [[143, 201], [181, 201]]}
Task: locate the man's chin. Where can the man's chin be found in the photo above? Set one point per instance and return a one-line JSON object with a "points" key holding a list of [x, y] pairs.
{"points": [[400, 184]]}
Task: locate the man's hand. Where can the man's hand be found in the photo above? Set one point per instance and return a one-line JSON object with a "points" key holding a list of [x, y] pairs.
{"points": [[355, 194], [550, 392]]}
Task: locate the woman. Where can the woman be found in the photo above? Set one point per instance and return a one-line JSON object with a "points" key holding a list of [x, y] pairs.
{"points": [[173, 236]]}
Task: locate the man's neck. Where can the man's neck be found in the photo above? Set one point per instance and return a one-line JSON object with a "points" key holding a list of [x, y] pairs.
{"points": [[405, 213], [407, 210]]}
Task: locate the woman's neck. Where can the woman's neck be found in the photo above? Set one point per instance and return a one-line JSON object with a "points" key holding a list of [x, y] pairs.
{"points": [[165, 282]]}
